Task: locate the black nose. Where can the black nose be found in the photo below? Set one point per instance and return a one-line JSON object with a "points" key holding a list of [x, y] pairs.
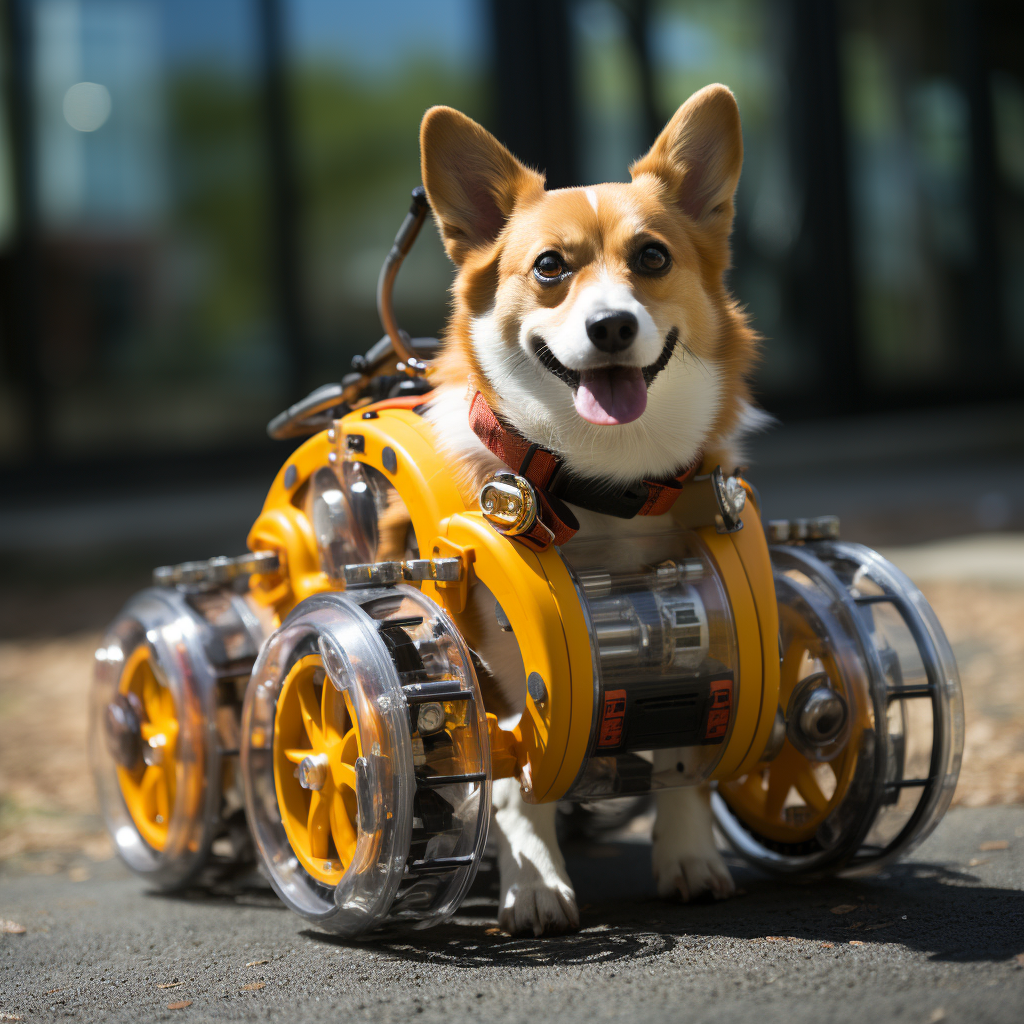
{"points": [[611, 330]]}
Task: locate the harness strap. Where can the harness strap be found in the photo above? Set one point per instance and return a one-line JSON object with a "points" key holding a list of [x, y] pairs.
{"points": [[556, 485]]}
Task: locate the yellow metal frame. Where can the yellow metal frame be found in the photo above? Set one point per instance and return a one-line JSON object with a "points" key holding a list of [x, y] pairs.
{"points": [[536, 592]]}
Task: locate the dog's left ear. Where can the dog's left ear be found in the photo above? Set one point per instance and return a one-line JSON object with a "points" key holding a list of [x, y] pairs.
{"points": [[699, 154]]}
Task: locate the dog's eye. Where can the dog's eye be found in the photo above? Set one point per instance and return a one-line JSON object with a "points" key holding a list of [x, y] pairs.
{"points": [[652, 259], [548, 267]]}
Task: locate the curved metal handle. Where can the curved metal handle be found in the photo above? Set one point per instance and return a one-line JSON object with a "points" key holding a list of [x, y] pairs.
{"points": [[386, 282]]}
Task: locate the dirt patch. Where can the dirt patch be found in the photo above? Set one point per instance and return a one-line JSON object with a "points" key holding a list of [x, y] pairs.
{"points": [[984, 626], [47, 800], [48, 807]]}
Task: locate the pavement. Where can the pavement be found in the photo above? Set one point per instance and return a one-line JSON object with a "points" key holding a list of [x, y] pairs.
{"points": [[937, 937]]}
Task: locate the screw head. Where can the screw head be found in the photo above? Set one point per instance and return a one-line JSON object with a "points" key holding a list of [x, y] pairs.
{"points": [[312, 772], [430, 719], [822, 716]]}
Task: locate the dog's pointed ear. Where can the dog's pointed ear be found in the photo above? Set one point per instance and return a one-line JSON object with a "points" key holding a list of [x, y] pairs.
{"points": [[472, 181], [699, 154]]}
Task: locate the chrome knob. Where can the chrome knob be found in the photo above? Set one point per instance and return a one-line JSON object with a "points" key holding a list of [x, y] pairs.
{"points": [[509, 503], [312, 771], [430, 719], [821, 716]]}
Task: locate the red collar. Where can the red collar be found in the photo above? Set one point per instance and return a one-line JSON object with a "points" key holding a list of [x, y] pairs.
{"points": [[556, 485]]}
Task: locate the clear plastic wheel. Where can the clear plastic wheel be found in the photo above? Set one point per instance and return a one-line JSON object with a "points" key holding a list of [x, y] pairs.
{"points": [[366, 761], [870, 693], [152, 757], [165, 705]]}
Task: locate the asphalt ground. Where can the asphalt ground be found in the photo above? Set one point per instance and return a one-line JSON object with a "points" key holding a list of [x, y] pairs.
{"points": [[938, 937]]}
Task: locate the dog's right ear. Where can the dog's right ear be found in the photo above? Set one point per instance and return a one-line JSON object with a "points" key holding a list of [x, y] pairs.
{"points": [[472, 181]]}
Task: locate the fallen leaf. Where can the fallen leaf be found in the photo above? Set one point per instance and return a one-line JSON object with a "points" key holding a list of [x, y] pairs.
{"points": [[856, 942], [493, 931], [881, 924], [844, 908], [12, 928], [994, 844], [254, 987], [179, 1006], [975, 861], [827, 945], [256, 963], [171, 984]]}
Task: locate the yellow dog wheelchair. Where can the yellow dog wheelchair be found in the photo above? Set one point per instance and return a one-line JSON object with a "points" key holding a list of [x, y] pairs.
{"points": [[318, 708]]}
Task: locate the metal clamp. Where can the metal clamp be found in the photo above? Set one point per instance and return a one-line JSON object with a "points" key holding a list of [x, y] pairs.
{"points": [[387, 574], [216, 571], [794, 531], [509, 503], [731, 499]]}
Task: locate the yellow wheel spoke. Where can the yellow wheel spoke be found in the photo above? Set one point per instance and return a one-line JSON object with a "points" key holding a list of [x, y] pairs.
{"points": [[148, 790], [310, 707], [335, 715], [352, 718], [782, 774], [345, 775], [807, 786], [319, 822], [753, 789], [342, 829], [163, 794], [171, 732]]}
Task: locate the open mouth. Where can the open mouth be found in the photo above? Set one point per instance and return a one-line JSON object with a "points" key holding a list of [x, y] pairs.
{"points": [[608, 395]]}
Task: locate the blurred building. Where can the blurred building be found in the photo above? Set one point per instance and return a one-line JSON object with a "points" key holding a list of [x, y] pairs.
{"points": [[195, 198]]}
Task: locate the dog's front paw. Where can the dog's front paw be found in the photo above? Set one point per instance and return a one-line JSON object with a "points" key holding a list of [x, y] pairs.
{"points": [[688, 869], [535, 907]]}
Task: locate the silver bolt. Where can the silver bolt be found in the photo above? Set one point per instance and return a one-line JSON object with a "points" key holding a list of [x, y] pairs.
{"points": [[430, 719], [313, 771], [822, 717]]}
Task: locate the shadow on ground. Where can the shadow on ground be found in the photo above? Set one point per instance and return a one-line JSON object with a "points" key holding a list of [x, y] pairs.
{"points": [[945, 913]]}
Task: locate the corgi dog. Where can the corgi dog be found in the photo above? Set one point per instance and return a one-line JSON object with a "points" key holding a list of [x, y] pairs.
{"points": [[596, 324]]}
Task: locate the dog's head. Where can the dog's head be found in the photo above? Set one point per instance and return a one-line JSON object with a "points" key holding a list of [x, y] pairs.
{"points": [[596, 320]]}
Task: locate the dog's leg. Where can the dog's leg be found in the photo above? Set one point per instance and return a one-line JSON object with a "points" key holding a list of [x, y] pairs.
{"points": [[685, 859], [536, 894]]}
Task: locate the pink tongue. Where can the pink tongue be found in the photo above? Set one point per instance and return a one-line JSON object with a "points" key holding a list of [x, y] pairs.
{"points": [[611, 396]]}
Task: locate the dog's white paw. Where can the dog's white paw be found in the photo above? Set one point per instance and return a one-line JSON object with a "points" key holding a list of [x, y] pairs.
{"points": [[535, 907], [681, 870], [685, 859], [536, 895]]}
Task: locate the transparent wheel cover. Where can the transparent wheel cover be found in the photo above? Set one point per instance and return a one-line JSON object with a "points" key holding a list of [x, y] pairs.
{"points": [[844, 589], [159, 814], [347, 854], [342, 637]]}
